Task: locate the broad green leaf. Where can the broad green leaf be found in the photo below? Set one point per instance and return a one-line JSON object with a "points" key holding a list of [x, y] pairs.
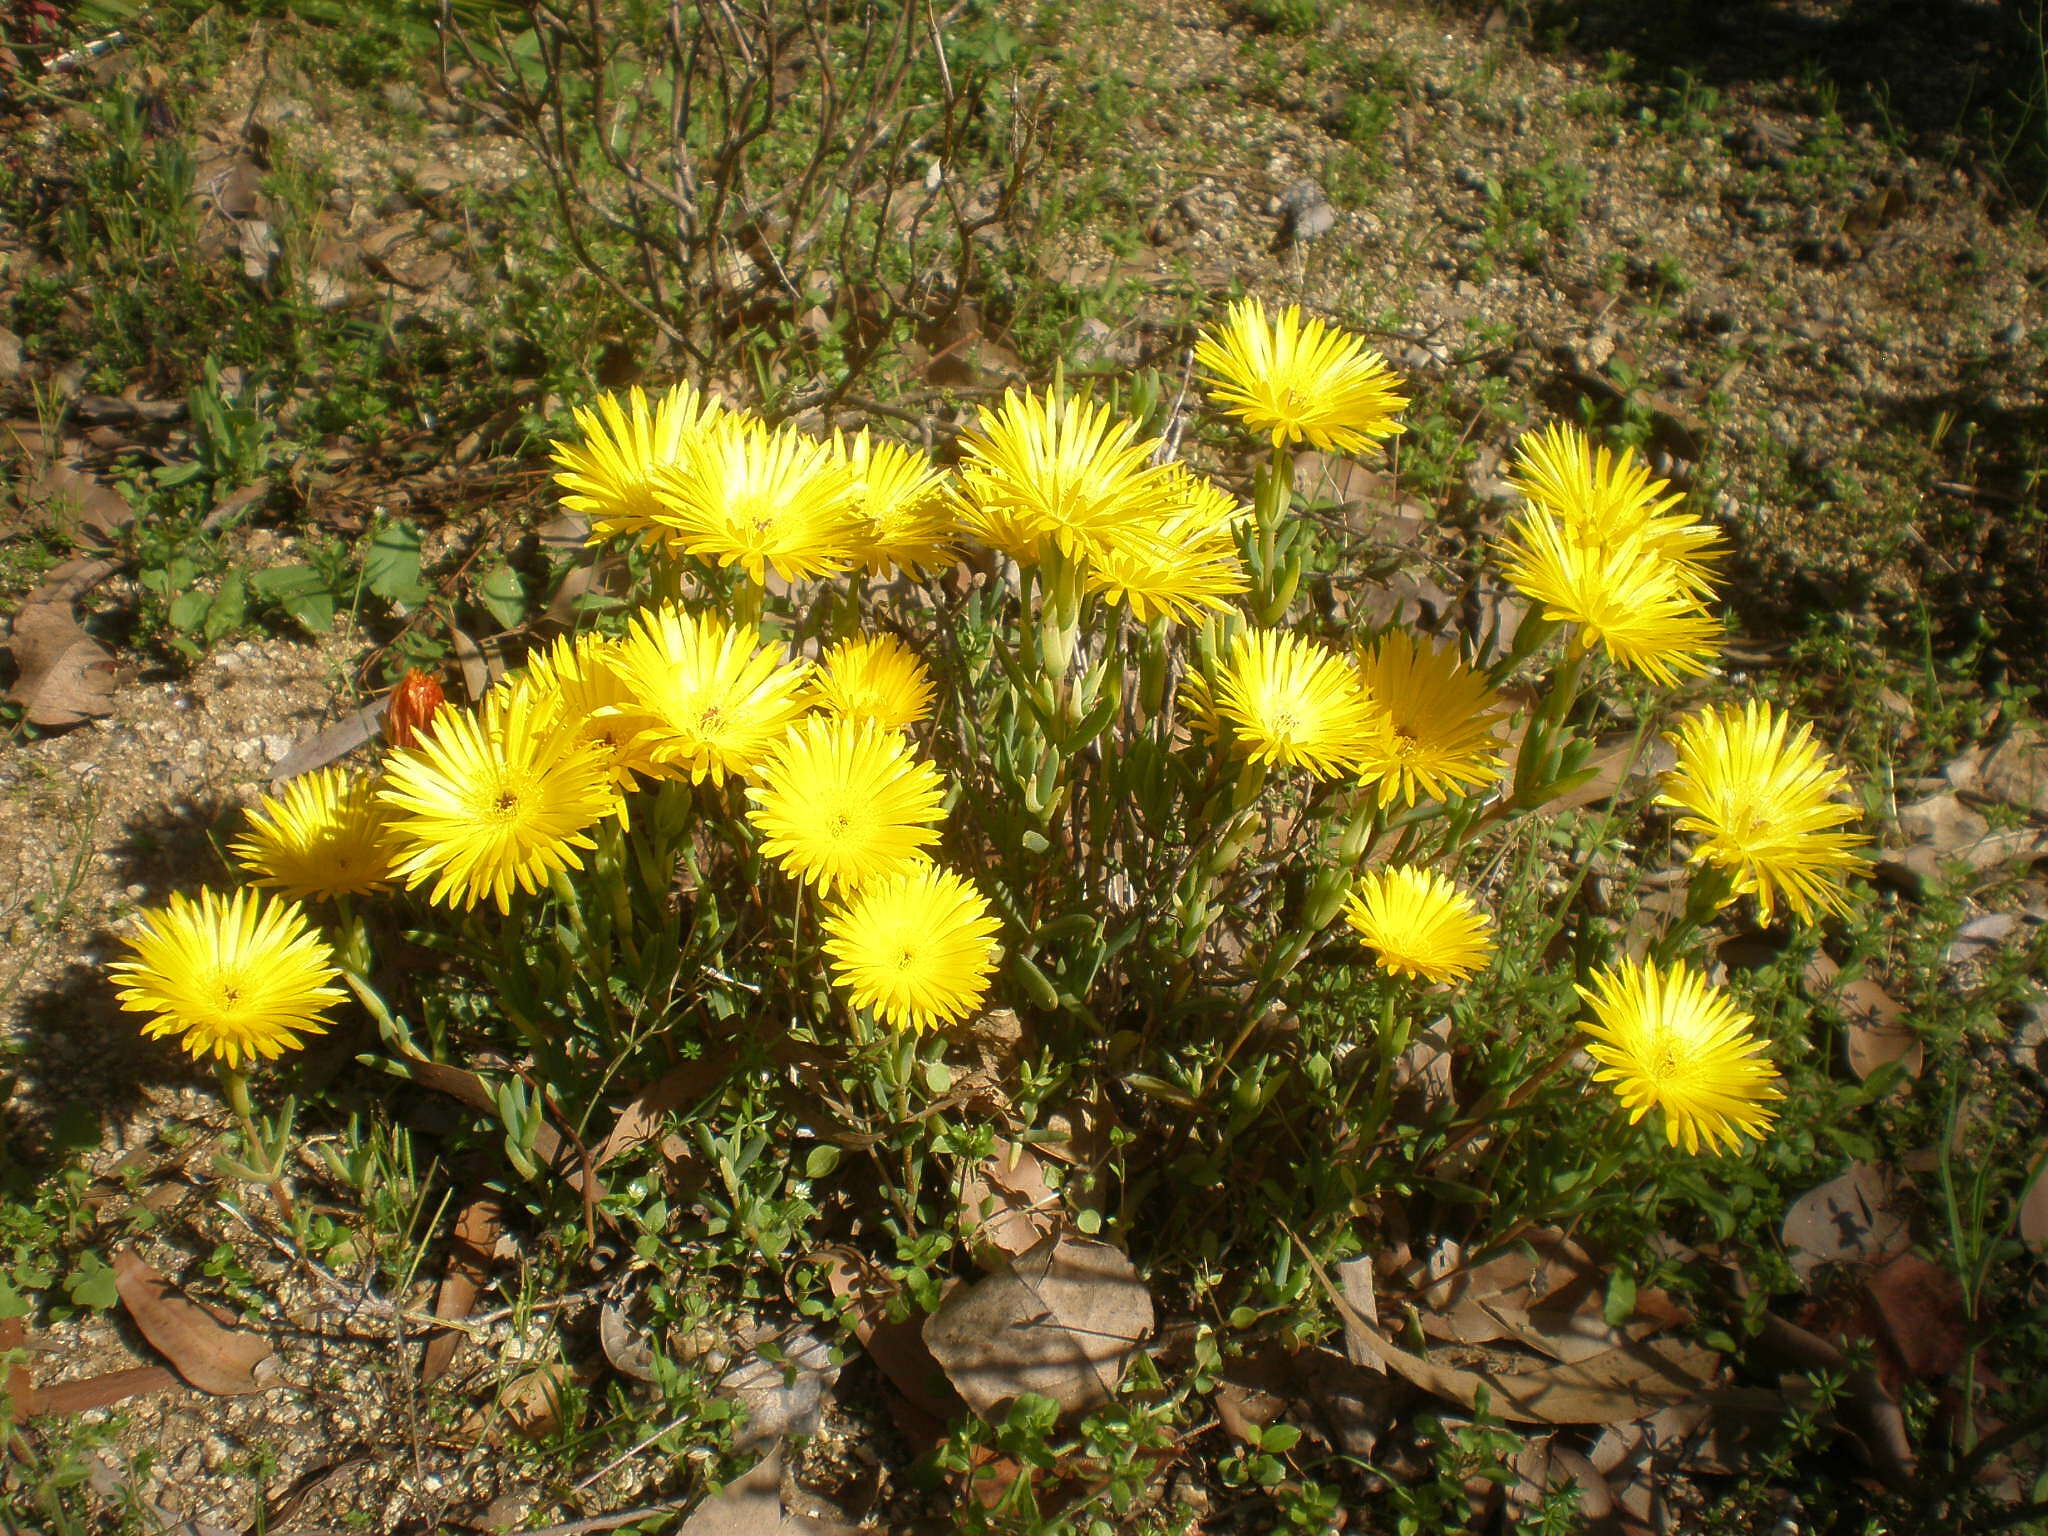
{"points": [[230, 606], [504, 594], [188, 608], [391, 565]]}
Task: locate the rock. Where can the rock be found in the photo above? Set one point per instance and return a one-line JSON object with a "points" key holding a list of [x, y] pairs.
{"points": [[1305, 214]]}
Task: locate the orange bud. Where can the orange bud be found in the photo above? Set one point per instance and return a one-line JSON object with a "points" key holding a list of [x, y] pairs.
{"points": [[413, 704]]}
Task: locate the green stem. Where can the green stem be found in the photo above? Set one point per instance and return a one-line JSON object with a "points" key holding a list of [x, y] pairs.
{"points": [[1538, 760], [235, 1084]]}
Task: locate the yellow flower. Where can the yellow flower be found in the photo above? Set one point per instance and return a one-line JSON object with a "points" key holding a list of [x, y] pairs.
{"points": [[1762, 807], [326, 835], [752, 496], [1602, 498], [240, 977], [1623, 595], [1296, 380], [874, 677], [1420, 924], [844, 802], [1439, 716], [714, 700], [1184, 564], [916, 948], [610, 477], [575, 683], [494, 800], [1052, 467], [905, 518], [1665, 1038], [1289, 700]]}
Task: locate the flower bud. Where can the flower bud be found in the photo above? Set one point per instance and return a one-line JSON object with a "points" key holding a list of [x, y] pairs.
{"points": [[413, 705]]}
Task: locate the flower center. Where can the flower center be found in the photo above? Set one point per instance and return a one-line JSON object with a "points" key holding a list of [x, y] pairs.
{"points": [[1407, 745]]}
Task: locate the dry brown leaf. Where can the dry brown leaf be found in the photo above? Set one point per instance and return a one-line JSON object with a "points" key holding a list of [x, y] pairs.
{"points": [[2015, 772], [199, 1343], [535, 1402], [332, 743], [63, 675], [469, 657], [1469, 1303], [1545, 1463], [751, 1505], [1980, 936], [1609, 1387], [644, 1116], [897, 1348], [780, 1394], [1852, 1217], [477, 1231], [625, 1343], [2033, 1215], [1061, 1320], [1866, 1408], [1611, 765], [1423, 1074], [74, 1396], [1877, 1032], [82, 505], [1920, 1307], [1008, 1205], [1355, 1279], [99, 1391]]}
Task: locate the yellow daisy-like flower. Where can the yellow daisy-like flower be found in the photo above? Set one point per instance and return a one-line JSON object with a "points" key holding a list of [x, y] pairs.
{"points": [[1602, 498], [905, 517], [326, 835], [494, 800], [1183, 565], [1666, 1038], [1297, 380], [844, 802], [1763, 810], [1289, 700], [1623, 595], [752, 496], [1439, 716], [916, 948], [575, 683], [610, 476], [1419, 923], [874, 677], [1053, 467], [715, 701], [241, 978]]}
